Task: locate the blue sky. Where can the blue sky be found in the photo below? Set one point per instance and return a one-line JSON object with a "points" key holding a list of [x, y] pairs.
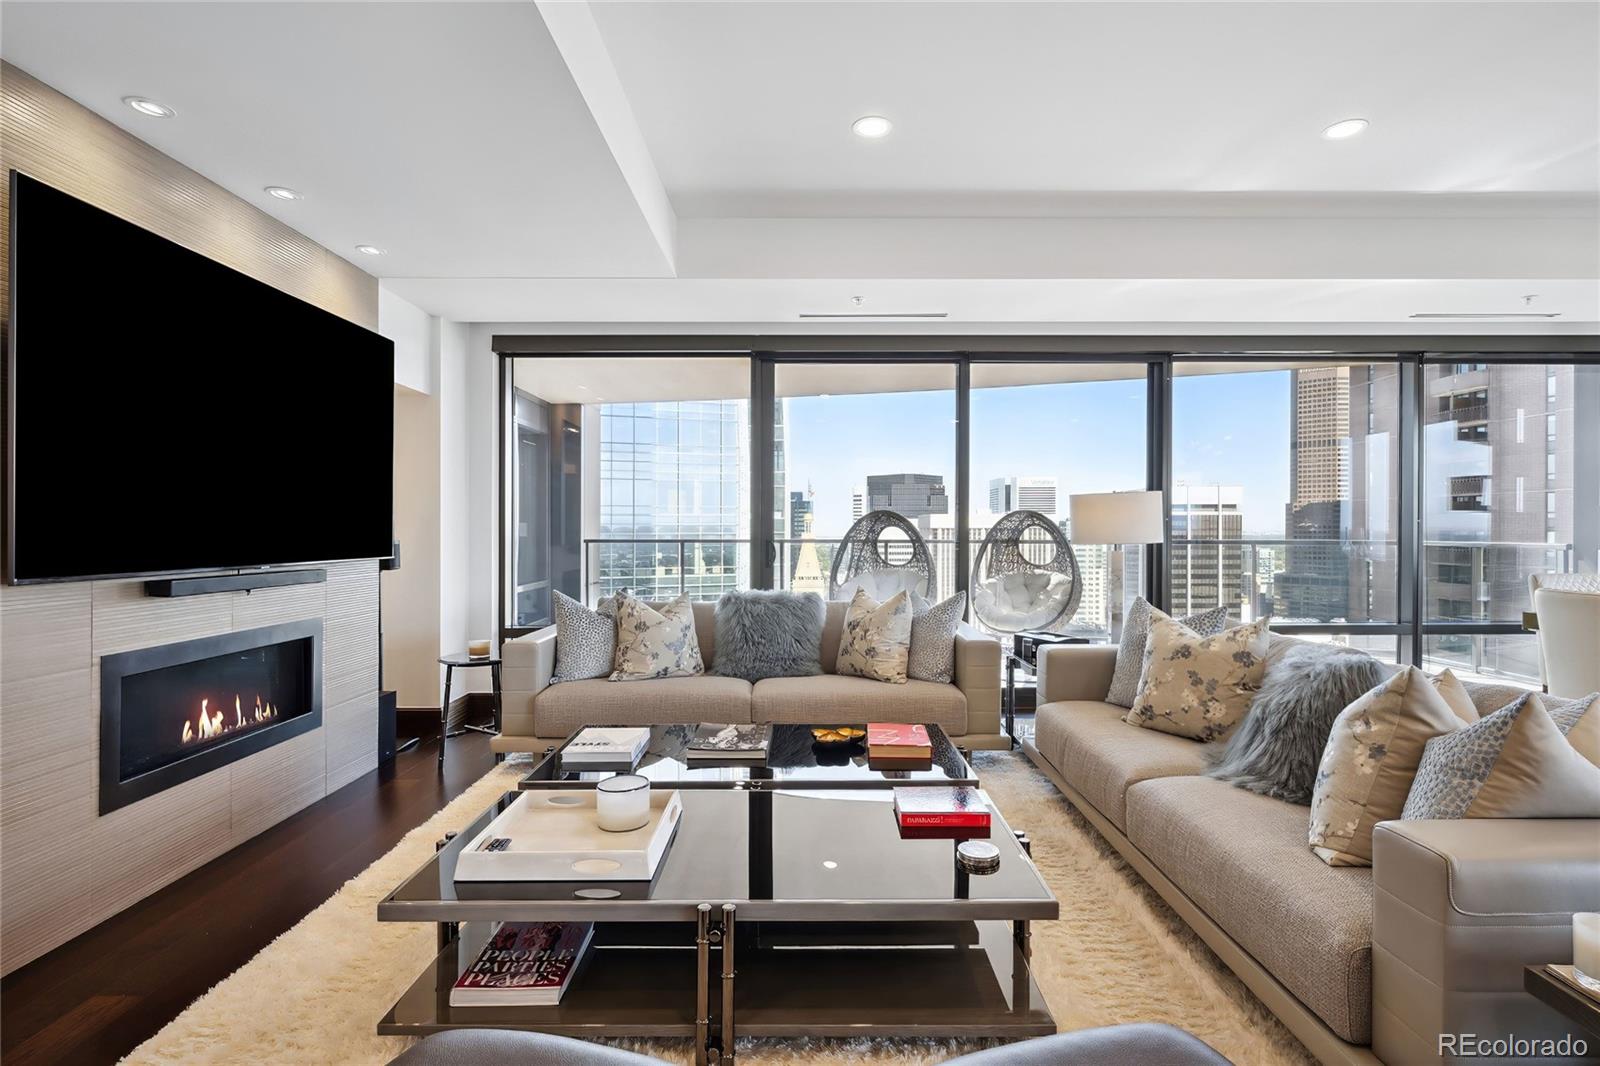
{"points": [[1231, 428]]}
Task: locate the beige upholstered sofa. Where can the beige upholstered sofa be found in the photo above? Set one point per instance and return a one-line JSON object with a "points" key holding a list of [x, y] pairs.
{"points": [[1362, 964], [537, 714]]}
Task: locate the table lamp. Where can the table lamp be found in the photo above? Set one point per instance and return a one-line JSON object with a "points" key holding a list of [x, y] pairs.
{"points": [[1117, 518]]}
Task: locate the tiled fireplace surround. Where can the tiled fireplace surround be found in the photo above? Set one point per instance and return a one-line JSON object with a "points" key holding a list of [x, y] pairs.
{"points": [[63, 866]]}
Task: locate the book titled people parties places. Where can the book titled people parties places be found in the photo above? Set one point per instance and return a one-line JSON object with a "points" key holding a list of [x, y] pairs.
{"points": [[933, 806], [525, 964], [897, 740]]}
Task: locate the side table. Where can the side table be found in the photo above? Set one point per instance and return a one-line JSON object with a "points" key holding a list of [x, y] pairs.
{"points": [[450, 664], [1555, 993]]}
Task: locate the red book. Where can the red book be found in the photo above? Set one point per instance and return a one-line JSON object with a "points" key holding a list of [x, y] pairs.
{"points": [[959, 806], [524, 964], [896, 740]]}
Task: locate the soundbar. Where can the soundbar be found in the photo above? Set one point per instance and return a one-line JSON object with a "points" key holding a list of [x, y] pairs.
{"points": [[169, 587]]}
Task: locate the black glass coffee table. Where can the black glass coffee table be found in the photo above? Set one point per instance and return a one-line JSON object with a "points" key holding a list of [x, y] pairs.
{"points": [[794, 761], [773, 914]]}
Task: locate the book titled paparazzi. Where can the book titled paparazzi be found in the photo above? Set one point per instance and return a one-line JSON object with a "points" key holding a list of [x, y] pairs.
{"points": [[945, 808], [525, 964]]}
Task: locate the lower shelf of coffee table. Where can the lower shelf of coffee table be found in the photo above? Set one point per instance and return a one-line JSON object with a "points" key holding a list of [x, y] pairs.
{"points": [[825, 981]]}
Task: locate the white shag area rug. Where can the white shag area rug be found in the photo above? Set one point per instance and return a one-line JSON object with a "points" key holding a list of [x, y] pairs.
{"points": [[1117, 954]]}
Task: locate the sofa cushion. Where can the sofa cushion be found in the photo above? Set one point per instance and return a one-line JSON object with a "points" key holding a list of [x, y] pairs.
{"points": [[560, 709], [1100, 755], [1242, 859], [833, 699]]}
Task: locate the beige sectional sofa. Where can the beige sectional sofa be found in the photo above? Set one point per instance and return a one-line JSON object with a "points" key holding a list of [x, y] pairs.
{"points": [[1362, 964], [537, 714]]}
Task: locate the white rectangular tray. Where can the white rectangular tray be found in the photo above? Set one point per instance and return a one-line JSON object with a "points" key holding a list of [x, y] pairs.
{"points": [[555, 837]]}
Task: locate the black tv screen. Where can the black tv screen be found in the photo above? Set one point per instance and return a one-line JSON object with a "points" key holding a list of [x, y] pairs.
{"points": [[167, 413]]}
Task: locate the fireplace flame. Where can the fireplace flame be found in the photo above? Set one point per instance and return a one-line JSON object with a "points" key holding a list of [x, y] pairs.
{"points": [[210, 723]]}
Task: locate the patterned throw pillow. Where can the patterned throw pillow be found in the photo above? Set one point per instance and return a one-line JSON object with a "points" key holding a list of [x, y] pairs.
{"points": [[1136, 632], [933, 637], [876, 642], [1515, 763], [655, 643], [1199, 687], [1371, 757], [586, 641]]}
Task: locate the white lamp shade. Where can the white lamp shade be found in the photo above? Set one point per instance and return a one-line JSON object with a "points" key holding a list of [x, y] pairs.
{"points": [[1118, 518]]}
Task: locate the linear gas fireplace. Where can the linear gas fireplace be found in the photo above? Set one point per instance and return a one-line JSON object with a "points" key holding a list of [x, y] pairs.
{"points": [[171, 713]]}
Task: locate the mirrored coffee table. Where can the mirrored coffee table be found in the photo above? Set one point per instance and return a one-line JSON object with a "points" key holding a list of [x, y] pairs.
{"points": [[780, 913], [793, 761]]}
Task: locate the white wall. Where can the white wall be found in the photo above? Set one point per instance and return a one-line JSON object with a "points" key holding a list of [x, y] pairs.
{"points": [[411, 329]]}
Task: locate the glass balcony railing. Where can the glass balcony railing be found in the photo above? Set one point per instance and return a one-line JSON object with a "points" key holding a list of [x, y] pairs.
{"points": [[1295, 581]]}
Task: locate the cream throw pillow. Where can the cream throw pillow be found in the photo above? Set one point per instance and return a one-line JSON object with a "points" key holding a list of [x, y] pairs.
{"points": [[1519, 762], [876, 642], [1456, 696], [1199, 687], [655, 643], [1367, 766]]}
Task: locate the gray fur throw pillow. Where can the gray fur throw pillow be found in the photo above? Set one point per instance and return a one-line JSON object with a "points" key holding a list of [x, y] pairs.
{"points": [[1276, 750], [769, 634]]}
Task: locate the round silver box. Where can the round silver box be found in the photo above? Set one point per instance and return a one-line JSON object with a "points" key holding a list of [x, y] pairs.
{"points": [[978, 856]]}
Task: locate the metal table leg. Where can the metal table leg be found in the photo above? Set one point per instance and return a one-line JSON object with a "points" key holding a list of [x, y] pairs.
{"points": [[444, 714], [702, 994], [494, 730], [727, 984]]}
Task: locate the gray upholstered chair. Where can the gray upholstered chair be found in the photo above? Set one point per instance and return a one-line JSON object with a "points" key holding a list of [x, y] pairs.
{"points": [[1138, 1044]]}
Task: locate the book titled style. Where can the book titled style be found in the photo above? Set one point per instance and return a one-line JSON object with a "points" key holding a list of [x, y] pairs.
{"points": [[525, 964]]}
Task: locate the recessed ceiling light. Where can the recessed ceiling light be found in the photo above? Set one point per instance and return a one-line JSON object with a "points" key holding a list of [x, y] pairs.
{"points": [[369, 249], [1345, 128], [148, 107], [283, 193], [871, 127]]}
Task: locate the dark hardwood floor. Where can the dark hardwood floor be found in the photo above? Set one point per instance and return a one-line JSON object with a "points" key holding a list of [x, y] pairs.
{"points": [[97, 997]]}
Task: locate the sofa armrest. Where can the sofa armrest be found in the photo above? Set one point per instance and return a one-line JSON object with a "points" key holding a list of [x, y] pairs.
{"points": [[528, 663], [977, 675], [1075, 671], [1459, 908]]}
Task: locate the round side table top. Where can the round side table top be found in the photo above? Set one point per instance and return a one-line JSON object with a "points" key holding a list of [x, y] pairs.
{"points": [[461, 658]]}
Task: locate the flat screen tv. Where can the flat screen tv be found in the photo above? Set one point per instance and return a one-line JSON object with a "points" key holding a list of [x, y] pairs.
{"points": [[166, 413]]}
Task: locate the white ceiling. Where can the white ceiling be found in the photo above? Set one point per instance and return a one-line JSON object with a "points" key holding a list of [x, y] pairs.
{"points": [[1066, 167], [1000, 99]]}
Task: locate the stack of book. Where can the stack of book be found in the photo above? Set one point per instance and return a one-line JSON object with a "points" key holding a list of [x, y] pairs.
{"points": [[898, 746], [714, 743], [930, 811], [525, 964], [600, 748]]}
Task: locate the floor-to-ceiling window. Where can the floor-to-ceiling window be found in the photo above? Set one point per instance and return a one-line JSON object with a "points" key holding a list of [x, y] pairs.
{"points": [[1285, 494], [1510, 488], [636, 474], [1044, 431], [1396, 503], [858, 436]]}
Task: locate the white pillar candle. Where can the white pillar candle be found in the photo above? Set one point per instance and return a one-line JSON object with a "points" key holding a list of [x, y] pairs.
{"points": [[622, 803], [478, 649], [1586, 949]]}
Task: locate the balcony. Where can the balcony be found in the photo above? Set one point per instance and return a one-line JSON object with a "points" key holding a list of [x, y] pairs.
{"points": [[1348, 590]]}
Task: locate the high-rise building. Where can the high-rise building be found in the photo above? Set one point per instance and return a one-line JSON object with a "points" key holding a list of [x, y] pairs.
{"points": [[1315, 583], [1207, 556], [858, 501], [1023, 494], [802, 515], [672, 472], [909, 495]]}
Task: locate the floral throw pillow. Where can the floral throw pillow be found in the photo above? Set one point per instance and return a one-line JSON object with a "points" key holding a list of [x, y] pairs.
{"points": [[1369, 763], [1199, 687], [876, 642], [655, 643]]}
